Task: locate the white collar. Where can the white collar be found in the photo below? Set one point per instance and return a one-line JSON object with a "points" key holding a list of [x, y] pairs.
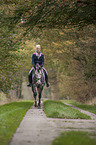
{"points": [[38, 54]]}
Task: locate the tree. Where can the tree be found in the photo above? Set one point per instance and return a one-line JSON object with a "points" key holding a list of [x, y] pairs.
{"points": [[62, 26]]}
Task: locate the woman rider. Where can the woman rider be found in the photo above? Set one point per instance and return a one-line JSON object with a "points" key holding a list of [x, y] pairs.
{"points": [[37, 57]]}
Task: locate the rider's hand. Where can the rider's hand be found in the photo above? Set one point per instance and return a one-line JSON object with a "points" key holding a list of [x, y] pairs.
{"points": [[39, 67], [34, 66]]}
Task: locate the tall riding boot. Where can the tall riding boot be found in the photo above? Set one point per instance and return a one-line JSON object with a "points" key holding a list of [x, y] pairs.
{"points": [[46, 79], [30, 80], [47, 83]]}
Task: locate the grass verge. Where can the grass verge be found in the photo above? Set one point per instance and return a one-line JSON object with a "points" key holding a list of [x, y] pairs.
{"points": [[74, 138], [56, 109], [90, 108], [10, 117]]}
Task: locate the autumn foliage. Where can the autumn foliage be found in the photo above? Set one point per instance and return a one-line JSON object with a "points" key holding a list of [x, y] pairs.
{"points": [[66, 31]]}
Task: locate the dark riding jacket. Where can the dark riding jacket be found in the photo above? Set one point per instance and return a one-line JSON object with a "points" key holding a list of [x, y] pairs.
{"points": [[38, 59]]}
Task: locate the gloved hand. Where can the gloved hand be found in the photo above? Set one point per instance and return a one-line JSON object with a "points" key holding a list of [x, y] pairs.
{"points": [[34, 66], [39, 67]]}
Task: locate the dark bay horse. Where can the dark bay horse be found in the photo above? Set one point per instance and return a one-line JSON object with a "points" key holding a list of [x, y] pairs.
{"points": [[38, 82]]}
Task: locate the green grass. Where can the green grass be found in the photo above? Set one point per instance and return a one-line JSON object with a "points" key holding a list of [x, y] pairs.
{"points": [[74, 138], [10, 117], [56, 109], [90, 108]]}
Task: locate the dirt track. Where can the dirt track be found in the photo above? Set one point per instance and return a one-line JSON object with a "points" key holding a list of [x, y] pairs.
{"points": [[37, 129]]}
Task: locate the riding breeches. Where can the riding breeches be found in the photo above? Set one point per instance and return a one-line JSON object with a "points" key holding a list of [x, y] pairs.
{"points": [[31, 73]]}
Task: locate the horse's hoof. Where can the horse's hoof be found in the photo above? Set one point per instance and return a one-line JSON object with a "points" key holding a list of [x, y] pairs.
{"points": [[35, 104], [39, 107]]}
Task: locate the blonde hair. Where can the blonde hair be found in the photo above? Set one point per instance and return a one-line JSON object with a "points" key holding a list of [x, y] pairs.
{"points": [[38, 46]]}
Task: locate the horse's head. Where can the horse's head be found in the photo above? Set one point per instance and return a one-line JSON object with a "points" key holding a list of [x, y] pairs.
{"points": [[38, 75], [37, 67]]}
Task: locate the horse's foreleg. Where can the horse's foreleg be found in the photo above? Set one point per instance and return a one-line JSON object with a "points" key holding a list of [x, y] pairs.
{"points": [[35, 94], [39, 99], [40, 96]]}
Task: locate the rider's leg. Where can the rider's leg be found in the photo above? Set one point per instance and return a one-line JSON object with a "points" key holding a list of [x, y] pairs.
{"points": [[46, 76], [30, 77]]}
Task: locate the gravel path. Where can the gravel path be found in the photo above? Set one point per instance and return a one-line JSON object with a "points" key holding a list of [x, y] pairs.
{"points": [[37, 129]]}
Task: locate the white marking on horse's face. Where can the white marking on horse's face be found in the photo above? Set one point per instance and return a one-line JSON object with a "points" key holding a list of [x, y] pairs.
{"points": [[38, 82], [38, 77]]}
